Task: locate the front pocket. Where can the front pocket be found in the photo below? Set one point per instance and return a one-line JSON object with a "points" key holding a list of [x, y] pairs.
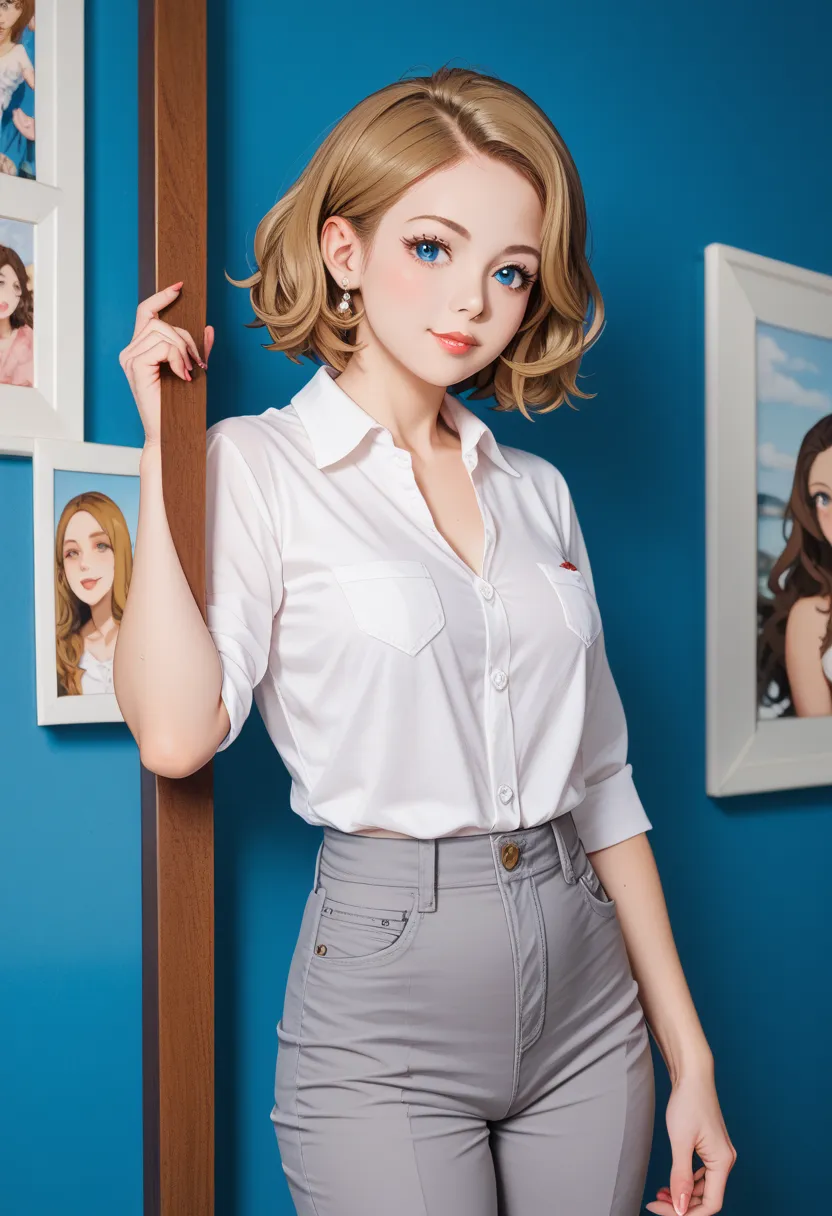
{"points": [[594, 893], [394, 601], [579, 605], [352, 934]]}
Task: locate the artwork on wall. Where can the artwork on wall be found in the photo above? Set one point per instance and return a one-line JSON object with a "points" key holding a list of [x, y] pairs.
{"points": [[17, 88], [41, 222], [769, 523], [86, 508]]}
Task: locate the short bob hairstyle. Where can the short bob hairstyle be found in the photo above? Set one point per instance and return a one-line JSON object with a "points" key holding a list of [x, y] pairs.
{"points": [[380, 148]]}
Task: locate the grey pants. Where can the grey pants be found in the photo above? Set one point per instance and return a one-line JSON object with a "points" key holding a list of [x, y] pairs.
{"points": [[461, 1033]]}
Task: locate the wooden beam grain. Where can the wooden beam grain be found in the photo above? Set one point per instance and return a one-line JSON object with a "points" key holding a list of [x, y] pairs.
{"points": [[177, 815]]}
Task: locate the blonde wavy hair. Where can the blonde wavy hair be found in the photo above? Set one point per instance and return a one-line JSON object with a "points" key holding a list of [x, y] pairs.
{"points": [[375, 153], [70, 612]]}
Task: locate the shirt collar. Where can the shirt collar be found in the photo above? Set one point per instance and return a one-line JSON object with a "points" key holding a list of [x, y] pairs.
{"points": [[336, 424]]}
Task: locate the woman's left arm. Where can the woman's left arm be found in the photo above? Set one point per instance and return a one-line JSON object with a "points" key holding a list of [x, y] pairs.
{"points": [[630, 876]]}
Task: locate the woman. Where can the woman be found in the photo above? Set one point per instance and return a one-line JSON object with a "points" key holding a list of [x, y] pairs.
{"points": [[93, 564], [16, 315], [412, 606], [795, 641]]}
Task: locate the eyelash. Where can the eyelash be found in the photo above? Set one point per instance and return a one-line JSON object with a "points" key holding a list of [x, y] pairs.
{"points": [[411, 243], [74, 552]]}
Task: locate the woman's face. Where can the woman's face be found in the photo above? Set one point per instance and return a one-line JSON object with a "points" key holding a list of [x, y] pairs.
{"points": [[9, 14], [457, 253], [10, 290], [88, 557]]}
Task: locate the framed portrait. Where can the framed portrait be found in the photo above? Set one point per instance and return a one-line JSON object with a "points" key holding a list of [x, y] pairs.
{"points": [[41, 222], [768, 358], [86, 510]]}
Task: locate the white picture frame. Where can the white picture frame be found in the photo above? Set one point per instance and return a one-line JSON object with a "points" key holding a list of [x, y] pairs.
{"points": [[62, 469], [53, 203], [745, 294]]}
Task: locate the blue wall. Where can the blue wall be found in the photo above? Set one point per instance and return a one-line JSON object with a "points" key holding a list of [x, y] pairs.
{"points": [[70, 912], [709, 126]]}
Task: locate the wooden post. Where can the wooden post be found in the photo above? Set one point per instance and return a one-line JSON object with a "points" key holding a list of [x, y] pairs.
{"points": [[177, 815]]}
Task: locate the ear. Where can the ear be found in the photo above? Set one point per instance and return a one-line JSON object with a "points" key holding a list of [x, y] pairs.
{"points": [[341, 251]]}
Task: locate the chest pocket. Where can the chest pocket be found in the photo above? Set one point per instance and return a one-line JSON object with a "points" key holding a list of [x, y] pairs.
{"points": [[580, 607], [394, 601]]}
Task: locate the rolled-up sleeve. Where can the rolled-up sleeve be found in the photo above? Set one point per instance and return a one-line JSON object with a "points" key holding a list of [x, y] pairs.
{"points": [[244, 576], [612, 810]]}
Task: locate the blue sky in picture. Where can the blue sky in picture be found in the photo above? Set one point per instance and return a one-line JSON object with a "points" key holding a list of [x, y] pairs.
{"points": [[20, 236], [794, 391]]}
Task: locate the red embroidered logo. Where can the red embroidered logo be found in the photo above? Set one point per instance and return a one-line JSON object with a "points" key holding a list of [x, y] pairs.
{"points": [[568, 566]]}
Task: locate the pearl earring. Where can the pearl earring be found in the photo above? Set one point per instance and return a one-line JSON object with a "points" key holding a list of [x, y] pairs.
{"points": [[345, 306]]}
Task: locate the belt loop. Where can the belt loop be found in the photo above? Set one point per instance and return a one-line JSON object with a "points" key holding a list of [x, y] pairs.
{"points": [[427, 876], [317, 881], [566, 836]]}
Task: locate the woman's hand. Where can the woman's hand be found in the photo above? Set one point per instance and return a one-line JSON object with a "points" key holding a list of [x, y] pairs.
{"points": [[24, 123], [694, 1122], [155, 342]]}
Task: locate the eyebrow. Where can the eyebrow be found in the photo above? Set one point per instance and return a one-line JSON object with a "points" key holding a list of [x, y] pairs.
{"points": [[464, 232], [818, 483], [68, 540]]}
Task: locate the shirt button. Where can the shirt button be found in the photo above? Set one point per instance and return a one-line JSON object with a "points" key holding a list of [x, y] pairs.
{"points": [[499, 679], [506, 793], [486, 591], [468, 459], [402, 458]]}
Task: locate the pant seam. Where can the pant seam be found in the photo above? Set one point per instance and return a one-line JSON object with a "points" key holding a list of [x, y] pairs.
{"points": [[297, 1091], [544, 968], [515, 1081]]}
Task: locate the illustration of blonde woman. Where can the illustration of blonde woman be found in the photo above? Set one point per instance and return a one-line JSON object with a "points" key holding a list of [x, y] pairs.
{"points": [[93, 565]]}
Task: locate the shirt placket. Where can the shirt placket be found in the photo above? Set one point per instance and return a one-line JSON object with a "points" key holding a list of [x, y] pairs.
{"points": [[499, 724]]}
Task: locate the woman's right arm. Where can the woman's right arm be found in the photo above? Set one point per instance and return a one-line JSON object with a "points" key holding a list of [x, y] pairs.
{"points": [[167, 673], [805, 631]]}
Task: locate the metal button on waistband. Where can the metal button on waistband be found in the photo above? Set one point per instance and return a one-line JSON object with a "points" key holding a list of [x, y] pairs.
{"points": [[320, 949], [510, 855]]}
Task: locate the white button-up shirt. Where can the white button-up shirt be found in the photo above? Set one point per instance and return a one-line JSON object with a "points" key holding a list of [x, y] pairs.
{"points": [[402, 690]]}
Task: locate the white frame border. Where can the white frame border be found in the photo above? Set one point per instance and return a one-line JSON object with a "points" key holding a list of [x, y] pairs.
{"points": [[54, 203], [744, 754], [49, 455]]}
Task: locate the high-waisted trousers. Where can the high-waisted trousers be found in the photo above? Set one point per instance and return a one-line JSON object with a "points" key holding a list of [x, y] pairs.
{"points": [[461, 1033]]}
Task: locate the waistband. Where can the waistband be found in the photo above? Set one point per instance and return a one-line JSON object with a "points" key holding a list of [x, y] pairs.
{"points": [[450, 861]]}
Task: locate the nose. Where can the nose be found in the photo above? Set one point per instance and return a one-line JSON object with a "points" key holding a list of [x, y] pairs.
{"points": [[470, 298]]}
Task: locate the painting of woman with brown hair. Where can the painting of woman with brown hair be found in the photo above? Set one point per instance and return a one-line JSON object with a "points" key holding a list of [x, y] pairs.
{"points": [[93, 565], [16, 319], [794, 658]]}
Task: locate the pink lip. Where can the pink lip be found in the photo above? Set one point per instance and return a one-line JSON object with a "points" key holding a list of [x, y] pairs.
{"points": [[88, 583], [459, 344], [4, 307]]}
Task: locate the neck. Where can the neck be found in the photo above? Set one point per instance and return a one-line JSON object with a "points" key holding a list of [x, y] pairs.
{"points": [[407, 405], [102, 614]]}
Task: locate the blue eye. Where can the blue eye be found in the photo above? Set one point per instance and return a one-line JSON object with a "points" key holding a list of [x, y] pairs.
{"points": [[513, 270], [431, 246]]}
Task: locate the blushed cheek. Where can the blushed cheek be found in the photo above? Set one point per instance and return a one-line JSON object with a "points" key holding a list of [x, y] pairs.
{"points": [[407, 284]]}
